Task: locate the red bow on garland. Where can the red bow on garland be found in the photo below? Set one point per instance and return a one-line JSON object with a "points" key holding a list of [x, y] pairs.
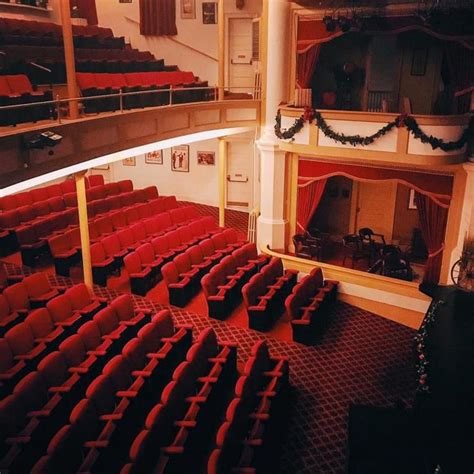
{"points": [[308, 114]]}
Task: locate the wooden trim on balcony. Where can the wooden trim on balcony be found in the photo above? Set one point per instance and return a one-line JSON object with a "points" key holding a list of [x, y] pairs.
{"points": [[102, 134]]}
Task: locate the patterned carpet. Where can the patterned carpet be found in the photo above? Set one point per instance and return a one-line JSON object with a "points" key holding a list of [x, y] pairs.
{"points": [[236, 219], [362, 359]]}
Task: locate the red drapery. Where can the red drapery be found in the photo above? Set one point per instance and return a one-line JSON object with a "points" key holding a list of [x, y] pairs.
{"points": [[306, 66], [158, 17], [438, 187], [461, 65], [313, 31], [87, 9], [433, 219], [309, 197]]}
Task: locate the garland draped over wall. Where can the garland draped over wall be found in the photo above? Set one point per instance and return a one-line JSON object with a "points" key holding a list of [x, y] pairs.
{"points": [[403, 120]]}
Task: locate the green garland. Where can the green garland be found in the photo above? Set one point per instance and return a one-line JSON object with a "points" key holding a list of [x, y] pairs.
{"points": [[403, 120]]}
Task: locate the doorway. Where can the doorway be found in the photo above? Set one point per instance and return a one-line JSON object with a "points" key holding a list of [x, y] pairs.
{"points": [[241, 69], [239, 175]]}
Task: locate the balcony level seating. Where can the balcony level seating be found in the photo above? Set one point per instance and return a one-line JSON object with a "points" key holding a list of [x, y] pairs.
{"points": [[17, 89], [309, 305], [103, 84]]}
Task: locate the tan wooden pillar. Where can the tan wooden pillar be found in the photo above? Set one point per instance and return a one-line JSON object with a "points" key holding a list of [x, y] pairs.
{"points": [[222, 180], [65, 7], [221, 53], [84, 228]]}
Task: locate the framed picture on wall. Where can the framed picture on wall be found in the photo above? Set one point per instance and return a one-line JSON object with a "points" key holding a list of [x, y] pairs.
{"points": [[125, 1], [129, 161], [188, 9], [209, 13], [102, 167], [411, 200], [154, 157], [418, 61], [206, 158], [180, 158]]}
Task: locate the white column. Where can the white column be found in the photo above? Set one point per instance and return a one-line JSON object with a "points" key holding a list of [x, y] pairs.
{"points": [[271, 223]]}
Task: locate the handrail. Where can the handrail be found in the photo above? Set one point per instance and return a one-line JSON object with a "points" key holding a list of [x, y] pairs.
{"points": [[192, 48], [118, 94], [40, 67]]}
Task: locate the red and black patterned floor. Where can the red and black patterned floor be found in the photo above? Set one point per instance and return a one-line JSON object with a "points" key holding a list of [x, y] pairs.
{"points": [[362, 359]]}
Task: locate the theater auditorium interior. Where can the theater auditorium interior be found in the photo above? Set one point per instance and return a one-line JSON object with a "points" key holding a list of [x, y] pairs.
{"points": [[236, 236]]}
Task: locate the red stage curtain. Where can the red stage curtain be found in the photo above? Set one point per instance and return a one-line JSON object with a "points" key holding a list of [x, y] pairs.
{"points": [[438, 186], [87, 10], [461, 65], [158, 17], [433, 219], [309, 197], [306, 66]]}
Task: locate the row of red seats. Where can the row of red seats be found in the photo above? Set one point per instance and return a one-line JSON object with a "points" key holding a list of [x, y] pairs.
{"points": [[180, 423], [13, 201], [20, 27], [256, 419], [17, 89], [32, 238], [24, 295], [222, 286], [144, 266], [183, 274], [104, 421], [108, 254], [93, 84], [265, 293], [38, 331], [41, 401], [41, 54], [157, 216], [80, 41], [308, 306]]}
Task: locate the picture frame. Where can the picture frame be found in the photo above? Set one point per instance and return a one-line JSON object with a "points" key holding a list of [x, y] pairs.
{"points": [[101, 167], [411, 200], [209, 13], [418, 61], [206, 158], [154, 157], [188, 9], [131, 161], [125, 1], [180, 158]]}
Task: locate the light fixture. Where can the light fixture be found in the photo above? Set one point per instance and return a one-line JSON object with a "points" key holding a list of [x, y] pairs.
{"points": [[42, 140]]}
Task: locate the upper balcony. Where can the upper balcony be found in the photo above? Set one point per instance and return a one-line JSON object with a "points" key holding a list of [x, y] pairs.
{"points": [[397, 146], [104, 137]]}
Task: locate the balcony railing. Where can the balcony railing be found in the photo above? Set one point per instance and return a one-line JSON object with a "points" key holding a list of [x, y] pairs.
{"points": [[57, 109], [396, 146]]}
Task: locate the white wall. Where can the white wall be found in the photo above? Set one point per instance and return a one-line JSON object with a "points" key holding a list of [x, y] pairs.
{"points": [[199, 185], [123, 18]]}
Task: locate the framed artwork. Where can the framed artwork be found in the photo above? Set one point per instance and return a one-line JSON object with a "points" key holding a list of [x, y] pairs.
{"points": [[411, 200], [102, 167], [125, 1], [180, 158], [154, 157], [418, 61], [188, 9], [209, 13], [129, 161], [206, 158]]}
